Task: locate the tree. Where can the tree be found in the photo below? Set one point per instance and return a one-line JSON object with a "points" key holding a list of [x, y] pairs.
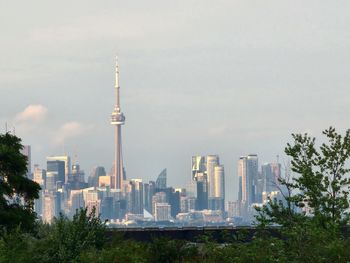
{"points": [[321, 183], [17, 192], [67, 239]]}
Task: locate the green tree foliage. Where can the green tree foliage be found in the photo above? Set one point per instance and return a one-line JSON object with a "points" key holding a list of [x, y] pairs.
{"points": [[65, 239], [314, 214], [323, 180], [16, 191], [321, 183]]}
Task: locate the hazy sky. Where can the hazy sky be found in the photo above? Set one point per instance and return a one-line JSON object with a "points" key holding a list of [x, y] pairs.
{"points": [[197, 77]]}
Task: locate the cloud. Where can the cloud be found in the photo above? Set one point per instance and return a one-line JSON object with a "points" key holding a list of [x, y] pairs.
{"points": [[69, 130], [32, 113]]}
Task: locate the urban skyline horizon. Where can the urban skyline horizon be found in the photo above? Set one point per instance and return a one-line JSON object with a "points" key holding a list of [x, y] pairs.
{"points": [[40, 112], [75, 160]]}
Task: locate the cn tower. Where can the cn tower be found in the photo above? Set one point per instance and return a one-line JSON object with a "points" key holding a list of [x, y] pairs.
{"points": [[117, 120]]}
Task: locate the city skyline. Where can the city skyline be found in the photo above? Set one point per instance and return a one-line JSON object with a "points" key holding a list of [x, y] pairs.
{"points": [[118, 171], [215, 78], [64, 189], [132, 201]]}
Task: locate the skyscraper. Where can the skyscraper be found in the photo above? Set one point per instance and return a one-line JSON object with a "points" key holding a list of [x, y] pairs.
{"points": [[202, 191], [117, 119], [248, 174], [210, 181], [67, 166], [199, 176], [212, 161], [219, 182], [271, 173], [57, 167], [27, 151], [161, 180], [135, 196], [149, 191]]}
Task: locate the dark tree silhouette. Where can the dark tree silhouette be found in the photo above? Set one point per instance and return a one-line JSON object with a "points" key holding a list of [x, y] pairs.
{"points": [[17, 192]]}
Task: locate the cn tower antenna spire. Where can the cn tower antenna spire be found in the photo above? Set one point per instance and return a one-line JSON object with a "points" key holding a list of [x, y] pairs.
{"points": [[117, 87]]}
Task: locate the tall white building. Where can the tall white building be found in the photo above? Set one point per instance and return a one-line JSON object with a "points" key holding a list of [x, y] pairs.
{"points": [[219, 181], [212, 161], [248, 174]]}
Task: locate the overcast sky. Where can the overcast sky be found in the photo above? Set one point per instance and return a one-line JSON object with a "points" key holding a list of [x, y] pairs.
{"points": [[197, 77]]}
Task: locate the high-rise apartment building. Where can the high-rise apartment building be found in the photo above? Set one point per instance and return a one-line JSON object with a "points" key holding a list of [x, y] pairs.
{"points": [[248, 174], [212, 161], [219, 181], [219, 185]]}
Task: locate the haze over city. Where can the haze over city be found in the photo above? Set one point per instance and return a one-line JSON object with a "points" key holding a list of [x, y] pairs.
{"points": [[197, 77]]}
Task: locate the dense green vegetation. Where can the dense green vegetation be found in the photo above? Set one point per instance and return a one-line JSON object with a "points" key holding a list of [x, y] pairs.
{"points": [[82, 240], [313, 220], [16, 191]]}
